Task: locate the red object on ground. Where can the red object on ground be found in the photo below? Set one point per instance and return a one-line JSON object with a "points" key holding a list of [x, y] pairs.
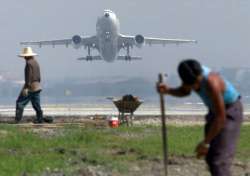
{"points": [[114, 122]]}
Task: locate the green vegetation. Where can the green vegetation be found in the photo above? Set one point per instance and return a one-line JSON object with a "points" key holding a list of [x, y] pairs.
{"points": [[68, 149]]}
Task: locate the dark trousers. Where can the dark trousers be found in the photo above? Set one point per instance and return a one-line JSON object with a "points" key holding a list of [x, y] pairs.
{"points": [[22, 101], [222, 147]]}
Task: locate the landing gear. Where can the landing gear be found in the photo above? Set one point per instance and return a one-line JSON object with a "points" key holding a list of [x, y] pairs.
{"points": [[128, 57], [89, 57]]}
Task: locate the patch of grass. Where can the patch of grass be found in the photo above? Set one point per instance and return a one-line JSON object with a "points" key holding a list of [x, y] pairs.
{"points": [[243, 148], [22, 150]]}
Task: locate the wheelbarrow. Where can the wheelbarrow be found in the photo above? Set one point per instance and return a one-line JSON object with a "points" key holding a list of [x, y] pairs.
{"points": [[126, 109]]}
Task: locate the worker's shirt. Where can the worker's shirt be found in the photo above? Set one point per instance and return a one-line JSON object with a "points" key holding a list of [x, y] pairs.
{"points": [[230, 95], [32, 75]]}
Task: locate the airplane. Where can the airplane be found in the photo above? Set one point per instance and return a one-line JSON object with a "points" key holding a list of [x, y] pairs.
{"points": [[108, 41]]}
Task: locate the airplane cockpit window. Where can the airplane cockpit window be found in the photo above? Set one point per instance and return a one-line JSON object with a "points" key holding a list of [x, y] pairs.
{"points": [[107, 35]]}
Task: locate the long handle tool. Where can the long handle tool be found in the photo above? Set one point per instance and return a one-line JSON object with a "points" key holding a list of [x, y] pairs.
{"points": [[164, 129]]}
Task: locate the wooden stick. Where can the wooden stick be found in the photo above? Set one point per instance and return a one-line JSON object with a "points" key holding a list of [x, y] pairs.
{"points": [[164, 129]]}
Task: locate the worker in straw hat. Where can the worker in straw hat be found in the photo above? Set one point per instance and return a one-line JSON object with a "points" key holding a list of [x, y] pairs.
{"points": [[32, 88]]}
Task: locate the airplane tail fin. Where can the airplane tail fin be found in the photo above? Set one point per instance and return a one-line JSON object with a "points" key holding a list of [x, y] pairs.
{"points": [[90, 58], [129, 58]]}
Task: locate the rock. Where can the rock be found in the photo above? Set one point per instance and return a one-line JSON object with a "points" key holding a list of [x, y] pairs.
{"points": [[60, 150], [93, 171], [135, 169]]}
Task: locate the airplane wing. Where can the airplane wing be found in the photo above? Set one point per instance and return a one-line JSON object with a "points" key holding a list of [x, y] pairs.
{"points": [[75, 41], [49, 42], [139, 40], [167, 41]]}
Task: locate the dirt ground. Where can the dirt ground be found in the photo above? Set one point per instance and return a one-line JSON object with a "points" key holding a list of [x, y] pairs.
{"points": [[177, 166]]}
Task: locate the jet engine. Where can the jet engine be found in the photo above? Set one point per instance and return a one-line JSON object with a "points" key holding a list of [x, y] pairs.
{"points": [[139, 40], [77, 41]]}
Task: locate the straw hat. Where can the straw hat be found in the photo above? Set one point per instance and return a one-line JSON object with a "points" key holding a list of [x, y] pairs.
{"points": [[27, 52]]}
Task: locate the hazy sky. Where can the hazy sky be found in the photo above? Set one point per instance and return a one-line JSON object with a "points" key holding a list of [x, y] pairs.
{"points": [[222, 28]]}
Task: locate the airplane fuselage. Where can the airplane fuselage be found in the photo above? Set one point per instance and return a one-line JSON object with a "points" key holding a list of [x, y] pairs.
{"points": [[107, 29]]}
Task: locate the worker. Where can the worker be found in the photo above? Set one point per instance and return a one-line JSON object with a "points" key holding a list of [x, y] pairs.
{"points": [[224, 117], [32, 87]]}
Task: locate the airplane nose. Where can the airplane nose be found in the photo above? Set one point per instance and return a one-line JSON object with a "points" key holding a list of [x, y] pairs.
{"points": [[106, 15]]}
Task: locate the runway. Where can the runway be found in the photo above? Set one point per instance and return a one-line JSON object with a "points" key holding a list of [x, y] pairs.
{"points": [[102, 109], [97, 115]]}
